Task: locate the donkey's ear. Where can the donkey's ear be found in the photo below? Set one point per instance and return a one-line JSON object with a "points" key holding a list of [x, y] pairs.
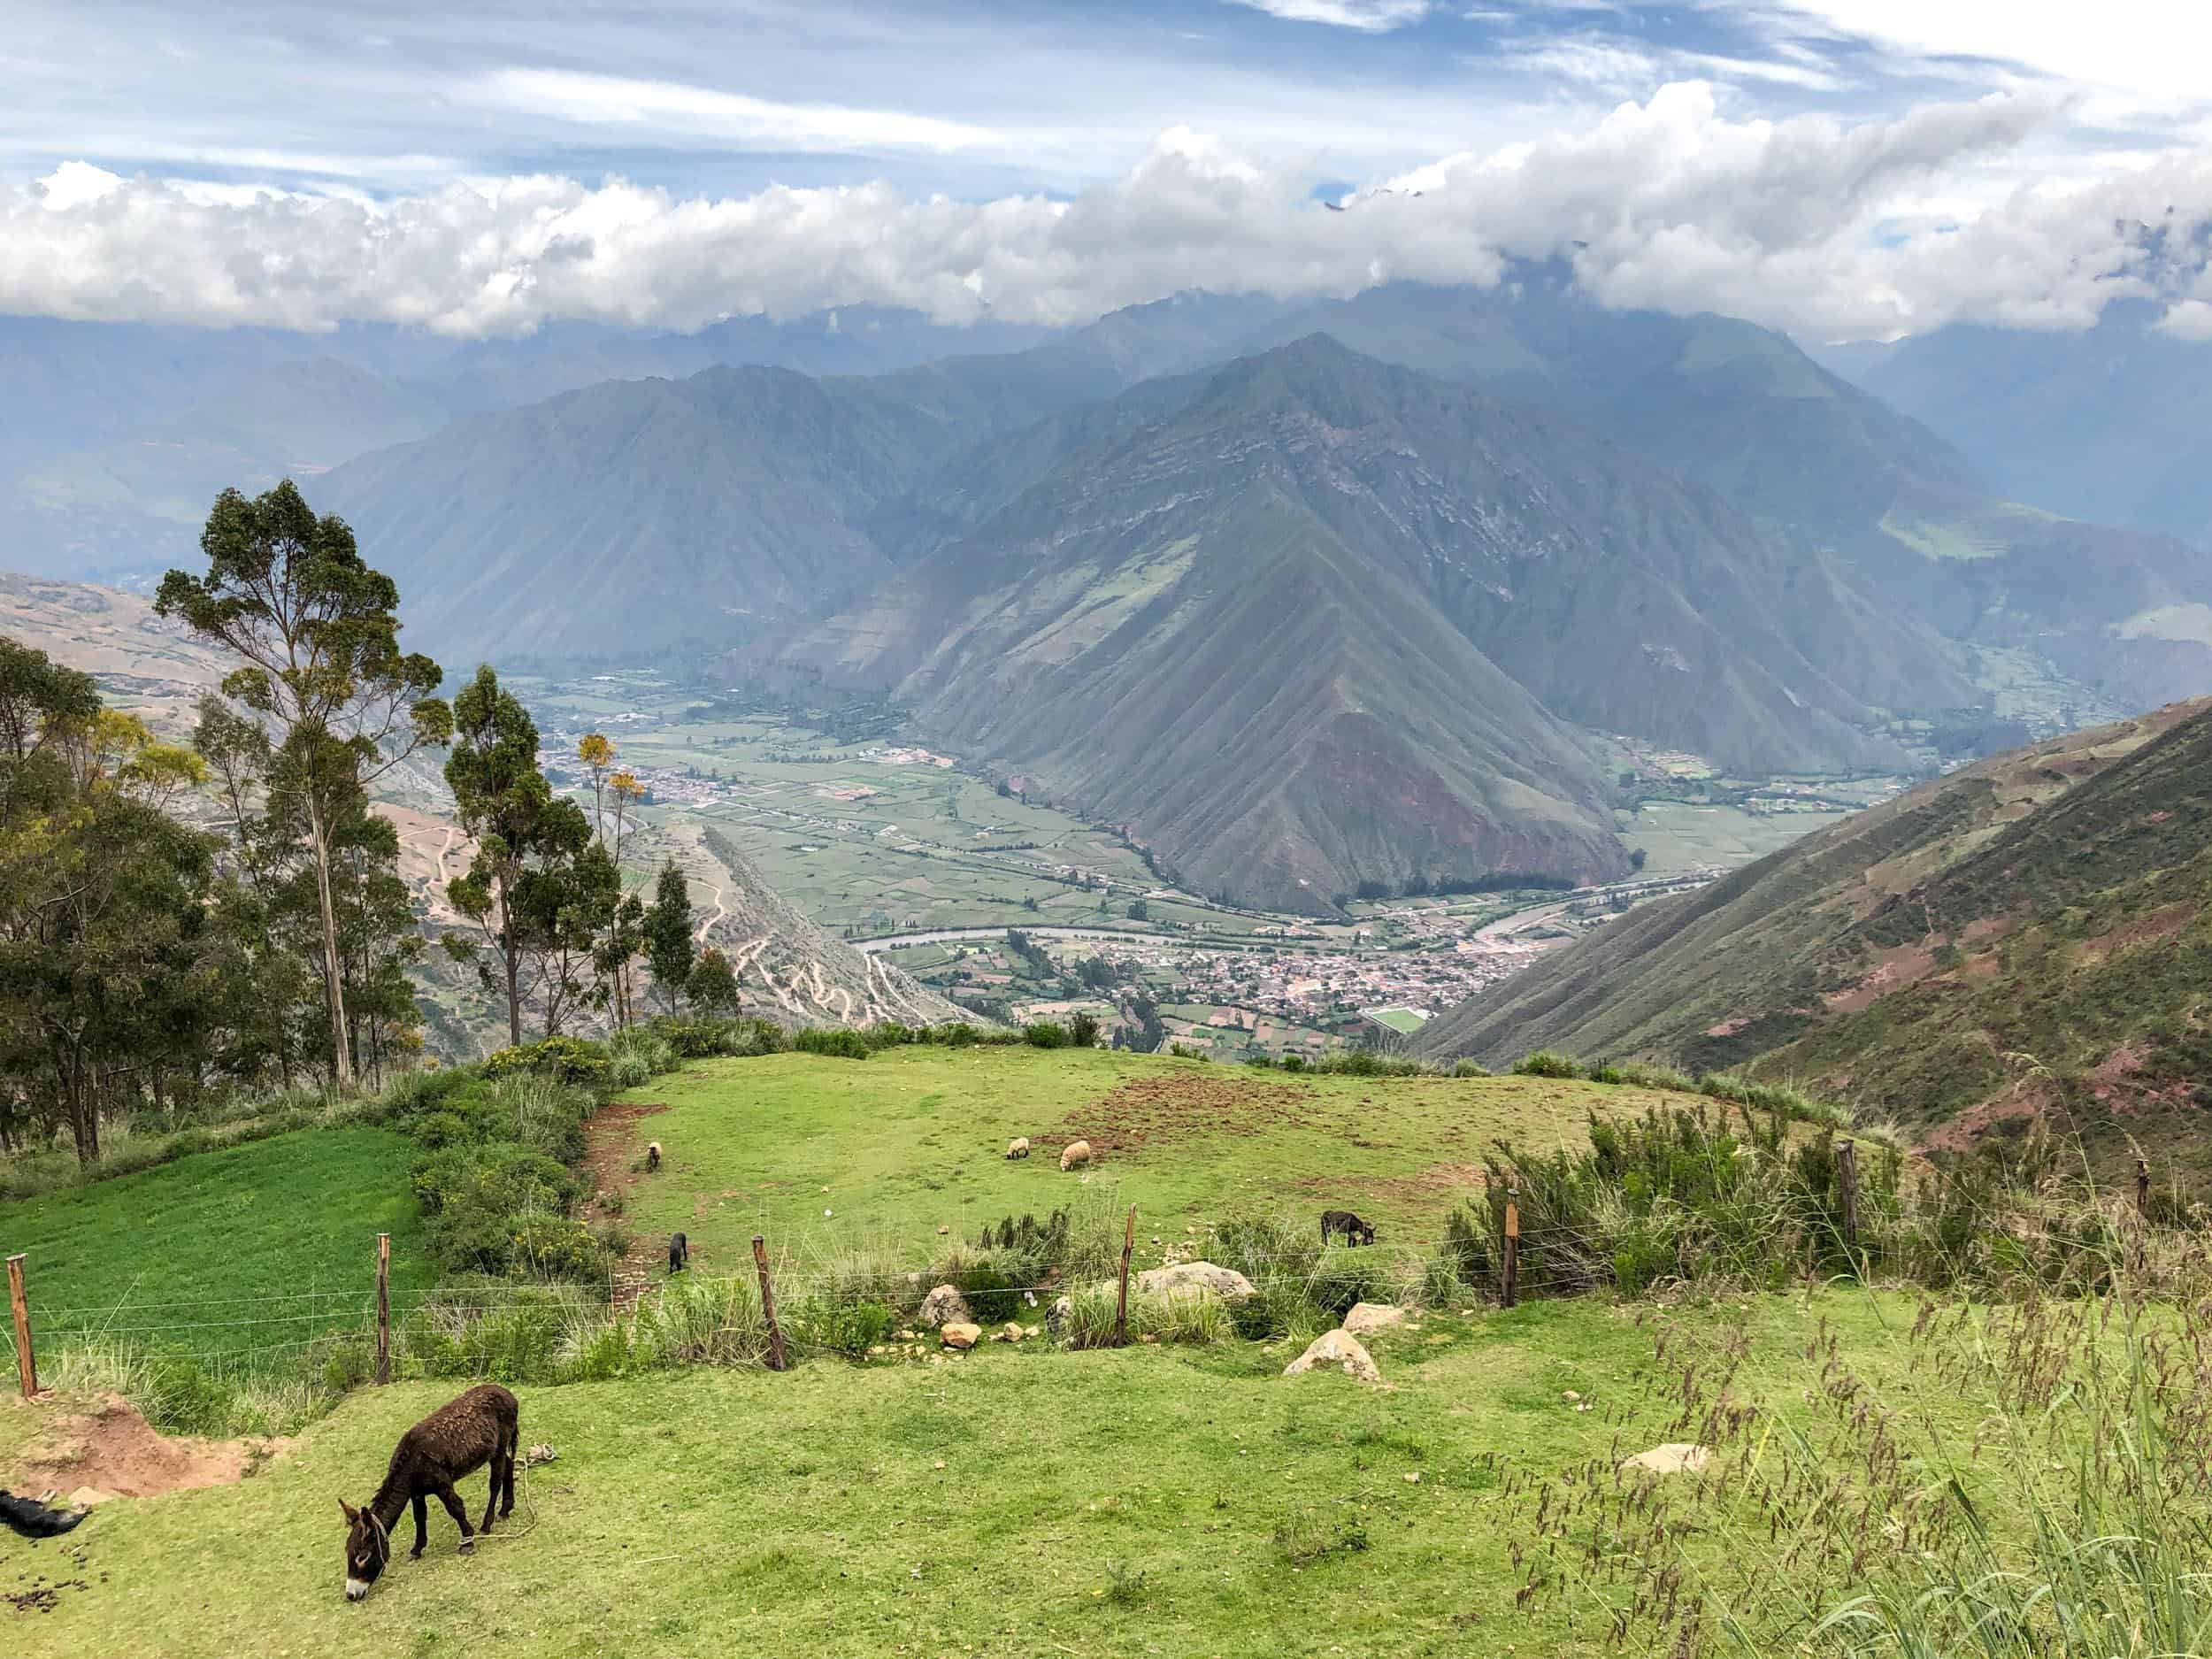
{"points": [[352, 1514]]}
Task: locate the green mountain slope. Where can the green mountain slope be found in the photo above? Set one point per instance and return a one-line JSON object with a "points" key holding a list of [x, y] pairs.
{"points": [[2025, 937], [1287, 619]]}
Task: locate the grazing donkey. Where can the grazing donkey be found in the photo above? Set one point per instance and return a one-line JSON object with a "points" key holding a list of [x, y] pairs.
{"points": [[679, 1252], [460, 1437], [1343, 1221], [33, 1519]]}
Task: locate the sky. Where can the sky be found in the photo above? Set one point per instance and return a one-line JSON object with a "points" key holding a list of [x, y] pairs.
{"points": [[1843, 169]]}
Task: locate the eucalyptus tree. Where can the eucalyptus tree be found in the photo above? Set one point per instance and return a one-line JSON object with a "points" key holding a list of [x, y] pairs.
{"points": [[315, 631]]}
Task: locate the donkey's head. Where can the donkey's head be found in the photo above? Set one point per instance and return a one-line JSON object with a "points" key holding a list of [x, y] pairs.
{"points": [[368, 1547]]}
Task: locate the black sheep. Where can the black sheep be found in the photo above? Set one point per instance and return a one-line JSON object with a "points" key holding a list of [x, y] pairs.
{"points": [[679, 1253]]}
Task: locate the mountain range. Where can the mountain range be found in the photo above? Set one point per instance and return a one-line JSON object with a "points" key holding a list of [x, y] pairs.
{"points": [[2027, 938], [1305, 596]]}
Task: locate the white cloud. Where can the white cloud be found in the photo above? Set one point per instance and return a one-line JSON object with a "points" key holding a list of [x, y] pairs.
{"points": [[666, 106], [1373, 16], [2155, 49], [1828, 227]]}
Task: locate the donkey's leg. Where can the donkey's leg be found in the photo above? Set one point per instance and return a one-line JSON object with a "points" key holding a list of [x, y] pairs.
{"points": [[491, 1493], [422, 1528], [507, 1493], [451, 1499]]}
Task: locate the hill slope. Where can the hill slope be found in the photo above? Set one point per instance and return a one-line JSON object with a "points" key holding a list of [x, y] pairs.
{"points": [[1312, 620], [2027, 935], [636, 516], [2107, 423]]}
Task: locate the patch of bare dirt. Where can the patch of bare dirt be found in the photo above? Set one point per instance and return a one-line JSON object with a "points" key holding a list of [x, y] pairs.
{"points": [[611, 1152], [1893, 971], [104, 1448], [1726, 1028], [2036, 1097], [1159, 1111]]}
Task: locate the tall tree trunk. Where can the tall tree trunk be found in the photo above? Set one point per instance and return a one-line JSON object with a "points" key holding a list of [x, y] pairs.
{"points": [[84, 1111], [510, 953], [333, 985]]}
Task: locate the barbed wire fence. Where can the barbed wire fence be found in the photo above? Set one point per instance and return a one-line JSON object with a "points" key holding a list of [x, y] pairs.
{"points": [[234, 1337]]}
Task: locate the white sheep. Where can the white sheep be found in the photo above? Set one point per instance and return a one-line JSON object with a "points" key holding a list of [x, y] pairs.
{"points": [[1018, 1147], [1076, 1154]]}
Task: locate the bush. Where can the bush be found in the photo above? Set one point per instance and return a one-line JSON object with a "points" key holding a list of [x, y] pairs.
{"points": [[1045, 1034], [568, 1059], [1543, 1062], [1293, 1063], [1183, 1051], [847, 1328], [1083, 1031], [839, 1041]]}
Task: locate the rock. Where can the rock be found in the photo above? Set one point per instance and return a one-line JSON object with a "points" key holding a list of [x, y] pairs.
{"points": [[1187, 1276], [1147, 1337], [85, 1497], [1011, 1331], [960, 1333], [1057, 1316], [1676, 1458], [1339, 1351], [1372, 1316], [944, 1232], [943, 1306]]}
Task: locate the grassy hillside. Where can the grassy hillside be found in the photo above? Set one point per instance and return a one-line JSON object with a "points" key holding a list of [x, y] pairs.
{"points": [[2024, 937], [914, 1139], [283, 1230], [1014, 1501]]}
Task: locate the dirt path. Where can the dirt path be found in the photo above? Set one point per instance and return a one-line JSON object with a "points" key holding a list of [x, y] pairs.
{"points": [[609, 1149], [707, 926], [444, 881]]}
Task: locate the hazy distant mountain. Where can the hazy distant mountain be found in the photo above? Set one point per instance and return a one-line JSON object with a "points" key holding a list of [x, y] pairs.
{"points": [[2022, 937], [116, 438], [2112, 423], [635, 517], [1312, 620]]}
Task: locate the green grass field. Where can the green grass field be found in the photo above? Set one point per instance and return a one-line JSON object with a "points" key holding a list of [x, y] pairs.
{"points": [[221, 1253], [823, 1154], [1012, 1502]]}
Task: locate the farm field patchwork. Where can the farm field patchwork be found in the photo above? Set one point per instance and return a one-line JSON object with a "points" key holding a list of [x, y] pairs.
{"points": [[1011, 1501], [825, 1155]]}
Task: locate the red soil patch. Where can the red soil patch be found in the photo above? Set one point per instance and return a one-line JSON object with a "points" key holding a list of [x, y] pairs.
{"points": [[609, 1154], [1726, 1028], [2032, 1098], [107, 1447], [1893, 971]]}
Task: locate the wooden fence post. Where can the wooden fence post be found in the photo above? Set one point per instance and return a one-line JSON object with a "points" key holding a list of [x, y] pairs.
{"points": [[383, 1307], [1509, 1278], [2143, 1187], [1848, 1181], [1121, 1308], [19, 1304], [777, 1359]]}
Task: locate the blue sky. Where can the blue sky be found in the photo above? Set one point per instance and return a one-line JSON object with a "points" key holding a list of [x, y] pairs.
{"points": [[681, 130]]}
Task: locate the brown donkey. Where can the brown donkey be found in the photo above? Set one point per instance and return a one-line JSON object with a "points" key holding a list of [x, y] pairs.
{"points": [[460, 1437]]}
